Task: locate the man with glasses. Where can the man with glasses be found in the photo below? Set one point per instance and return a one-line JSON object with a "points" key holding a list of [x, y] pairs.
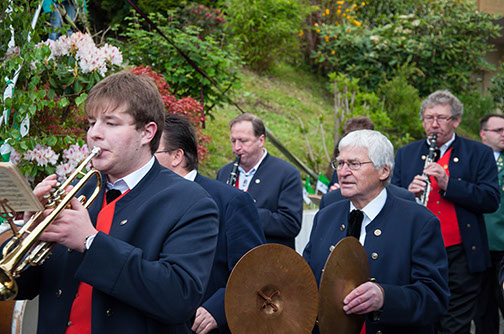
{"points": [[491, 299], [274, 184], [402, 240], [463, 184]]}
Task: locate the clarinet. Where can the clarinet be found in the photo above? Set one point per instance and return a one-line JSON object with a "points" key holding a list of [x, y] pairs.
{"points": [[430, 158], [234, 172]]}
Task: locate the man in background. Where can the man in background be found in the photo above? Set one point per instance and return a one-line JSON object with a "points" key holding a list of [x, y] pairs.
{"points": [[463, 187], [491, 299], [274, 184], [240, 228]]}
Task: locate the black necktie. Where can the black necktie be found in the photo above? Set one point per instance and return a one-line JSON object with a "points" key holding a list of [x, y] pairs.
{"points": [[354, 223], [112, 194]]}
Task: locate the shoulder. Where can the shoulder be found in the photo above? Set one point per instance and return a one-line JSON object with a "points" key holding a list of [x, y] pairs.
{"points": [[224, 171], [472, 144], [224, 193], [411, 146], [271, 161]]}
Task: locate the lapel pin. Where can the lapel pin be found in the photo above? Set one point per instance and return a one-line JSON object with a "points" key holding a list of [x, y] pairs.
{"points": [[455, 159], [123, 222]]}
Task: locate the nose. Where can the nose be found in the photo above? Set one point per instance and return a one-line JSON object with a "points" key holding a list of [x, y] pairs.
{"points": [[236, 146], [95, 132]]}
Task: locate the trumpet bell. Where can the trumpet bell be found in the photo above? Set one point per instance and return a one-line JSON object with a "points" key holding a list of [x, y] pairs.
{"points": [[8, 286]]}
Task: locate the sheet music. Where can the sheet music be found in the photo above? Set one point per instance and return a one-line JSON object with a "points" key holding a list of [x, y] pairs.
{"points": [[16, 190]]}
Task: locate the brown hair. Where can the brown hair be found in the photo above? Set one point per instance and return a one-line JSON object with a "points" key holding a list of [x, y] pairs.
{"points": [[486, 118], [257, 123], [136, 93]]}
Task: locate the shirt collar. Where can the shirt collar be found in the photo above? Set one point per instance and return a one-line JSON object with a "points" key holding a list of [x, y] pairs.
{"points": [[373, 208], [444, 147], [191, 176], [132, 179], [496, 155], [253, 169]]}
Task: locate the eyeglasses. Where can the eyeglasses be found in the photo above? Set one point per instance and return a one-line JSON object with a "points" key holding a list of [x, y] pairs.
{"points": [[499, 130], [440, 119], [353, 165]]}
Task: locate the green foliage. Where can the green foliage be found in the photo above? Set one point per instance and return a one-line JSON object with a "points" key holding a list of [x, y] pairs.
{"points": [[476, 106], [266, 30], [144, 47], [446, 40], [375, 11], [497, 88], [402, 104]]}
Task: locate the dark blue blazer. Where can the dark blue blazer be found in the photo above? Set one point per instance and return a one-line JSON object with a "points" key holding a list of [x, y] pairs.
{"points": [[472, 188], [410, 264], [277, 190], [240, 230], [335, 195], [148, 274]]}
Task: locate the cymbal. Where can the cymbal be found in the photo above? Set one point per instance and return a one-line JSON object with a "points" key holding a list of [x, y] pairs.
{"points": [[271, 290], [346, 268]]}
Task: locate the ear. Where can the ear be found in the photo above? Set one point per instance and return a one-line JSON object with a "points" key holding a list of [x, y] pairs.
{"points": [[262, 139], [178, 158], [482, 135], [456, 122], [385, 172], [149, 132]]}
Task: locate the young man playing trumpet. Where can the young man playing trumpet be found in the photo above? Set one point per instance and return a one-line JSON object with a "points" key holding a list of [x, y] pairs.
{"points": [[138, 263]]}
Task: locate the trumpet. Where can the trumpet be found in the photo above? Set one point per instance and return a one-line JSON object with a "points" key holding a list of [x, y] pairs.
{"points": [[24, 249], [430, 158], [233, 176]]}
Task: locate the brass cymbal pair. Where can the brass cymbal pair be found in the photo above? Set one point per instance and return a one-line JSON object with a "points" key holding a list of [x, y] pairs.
{"points": [[272, 290]]}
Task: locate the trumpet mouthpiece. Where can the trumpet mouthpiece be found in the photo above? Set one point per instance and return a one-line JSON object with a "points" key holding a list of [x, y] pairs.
{"points": [[96, 150]]}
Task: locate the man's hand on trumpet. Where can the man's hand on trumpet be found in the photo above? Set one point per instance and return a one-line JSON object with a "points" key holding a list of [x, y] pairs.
{"points": [[72, 226]]}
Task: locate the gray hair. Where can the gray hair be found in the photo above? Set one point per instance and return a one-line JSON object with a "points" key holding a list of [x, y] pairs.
{"points": [[443, 97], [380, 149]]}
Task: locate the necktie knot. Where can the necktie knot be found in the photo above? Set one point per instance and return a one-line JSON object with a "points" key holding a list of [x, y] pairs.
{"points": [[112, 194], [354, 223]]}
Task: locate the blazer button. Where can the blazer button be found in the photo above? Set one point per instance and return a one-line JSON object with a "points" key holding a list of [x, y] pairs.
{"points": [[374, 256], [69, 324], [473, 248], [377, 232], [69, 250], [379, 332], [109, 312], [342, 227], [468, 225], [58, 293]]}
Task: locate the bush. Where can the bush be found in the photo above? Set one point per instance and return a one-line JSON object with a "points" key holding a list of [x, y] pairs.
{"points": [[446, 40], [266, 30], [145, 47]]}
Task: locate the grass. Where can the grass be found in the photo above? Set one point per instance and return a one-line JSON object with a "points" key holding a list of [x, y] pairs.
{"points": [[281, 98]]}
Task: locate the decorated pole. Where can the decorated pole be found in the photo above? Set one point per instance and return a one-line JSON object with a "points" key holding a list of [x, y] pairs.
{"points": [[5, 148]]}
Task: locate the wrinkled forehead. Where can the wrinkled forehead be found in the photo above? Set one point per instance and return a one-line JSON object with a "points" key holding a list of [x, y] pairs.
{"points": [[353, 152], [104, 106]]}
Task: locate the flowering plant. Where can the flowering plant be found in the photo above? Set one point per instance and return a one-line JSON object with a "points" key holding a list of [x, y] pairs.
{"points": [[48, 102]]}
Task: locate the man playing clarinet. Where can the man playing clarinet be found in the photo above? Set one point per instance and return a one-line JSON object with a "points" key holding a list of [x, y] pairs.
{"points": [[274, 184]]}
